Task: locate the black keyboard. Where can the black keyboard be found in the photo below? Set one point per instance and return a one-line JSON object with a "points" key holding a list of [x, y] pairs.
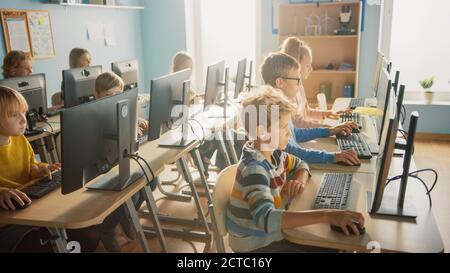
{"points": [[352, 117], [333, 191], [358, 102], [44, 186], [355, 142]]}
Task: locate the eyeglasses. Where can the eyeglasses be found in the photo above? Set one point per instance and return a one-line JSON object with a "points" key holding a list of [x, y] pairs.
{"points": [[299, 80]]}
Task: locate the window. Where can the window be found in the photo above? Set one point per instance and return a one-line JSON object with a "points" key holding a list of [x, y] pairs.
{"points": [[420, 42]]}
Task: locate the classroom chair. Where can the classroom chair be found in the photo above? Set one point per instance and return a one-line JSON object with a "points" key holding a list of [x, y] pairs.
{"points": [[218, 209]]}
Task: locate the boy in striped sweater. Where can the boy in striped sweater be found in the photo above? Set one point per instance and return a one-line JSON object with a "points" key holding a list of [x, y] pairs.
{"points": [[268, 178]]}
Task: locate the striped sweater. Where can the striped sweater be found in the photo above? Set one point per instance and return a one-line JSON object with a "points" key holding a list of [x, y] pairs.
{"points": [[255, 209]]}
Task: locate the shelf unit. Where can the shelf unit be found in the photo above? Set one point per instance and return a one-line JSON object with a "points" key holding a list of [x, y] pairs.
{"points": [[327, 48], [63, 3]]}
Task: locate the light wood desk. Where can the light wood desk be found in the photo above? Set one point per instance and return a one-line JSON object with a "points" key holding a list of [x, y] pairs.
{"points": [[390, 234]]}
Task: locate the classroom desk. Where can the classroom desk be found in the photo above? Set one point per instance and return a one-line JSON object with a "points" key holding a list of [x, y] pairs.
{"points": [[45, 143], [390, 234], [80, 209]]}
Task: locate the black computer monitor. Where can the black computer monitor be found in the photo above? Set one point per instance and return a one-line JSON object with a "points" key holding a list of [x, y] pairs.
{"points": [[214, 82], [240, 77], [377, 72], [396, 82], [384, 91], [167, 94], [33, 89], [95, 137], [378, 202], [79, 85], [128, 71]]}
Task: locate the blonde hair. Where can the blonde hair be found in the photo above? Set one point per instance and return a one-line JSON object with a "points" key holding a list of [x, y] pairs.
{"points": [[296, 48], [12, 60], [106, 81], [268, 97], [277, 65], [75, 56], [179, 60], [11, 101]]}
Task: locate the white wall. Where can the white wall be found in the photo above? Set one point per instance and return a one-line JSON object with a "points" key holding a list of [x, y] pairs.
{"points": [[420, 42]]}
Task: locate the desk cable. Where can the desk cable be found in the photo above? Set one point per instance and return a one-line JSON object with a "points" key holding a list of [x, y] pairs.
{"points": [[415, 176]]}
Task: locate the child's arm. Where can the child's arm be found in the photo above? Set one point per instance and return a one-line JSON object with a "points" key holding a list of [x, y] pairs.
{"points": [[341, 218], [297, 174]]}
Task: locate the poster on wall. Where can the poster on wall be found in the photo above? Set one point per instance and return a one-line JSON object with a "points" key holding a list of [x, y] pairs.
{"points": [[41, 34], [15, 30]]}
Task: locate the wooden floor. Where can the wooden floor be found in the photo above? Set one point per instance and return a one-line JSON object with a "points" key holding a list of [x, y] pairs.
{"points": [[428, 154]]}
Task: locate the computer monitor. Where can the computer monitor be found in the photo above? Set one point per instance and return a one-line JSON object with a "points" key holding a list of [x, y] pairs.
{"points": [[167, 94], [384, 91], [79, 85], [378, 202], [33, 89], [396, 82], [214, 81], [128, 71], [96, 137], [240, 77], [377, 72]]}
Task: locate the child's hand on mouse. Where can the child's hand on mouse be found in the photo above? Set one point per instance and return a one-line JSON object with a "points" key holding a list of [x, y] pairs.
{"points": [[349, 157], [7, 195], [44, 170], [345, 220]]}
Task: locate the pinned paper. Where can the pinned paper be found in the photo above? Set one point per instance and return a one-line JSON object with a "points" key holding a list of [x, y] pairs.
{"points": [[110, 34], [95, 31]]}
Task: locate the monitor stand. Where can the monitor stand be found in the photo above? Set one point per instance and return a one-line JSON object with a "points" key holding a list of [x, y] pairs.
{"points": [[389, 207], [119, 180], [32, 129]]}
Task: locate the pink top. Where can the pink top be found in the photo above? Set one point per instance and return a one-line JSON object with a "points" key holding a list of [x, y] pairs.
{"points": [[306, 117]]}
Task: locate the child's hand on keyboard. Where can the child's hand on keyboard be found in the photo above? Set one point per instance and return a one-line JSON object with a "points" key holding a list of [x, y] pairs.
{"points": [[348, 157], [46, 170], [142, 127], [344, 112], [6, 197], [343, 129]]}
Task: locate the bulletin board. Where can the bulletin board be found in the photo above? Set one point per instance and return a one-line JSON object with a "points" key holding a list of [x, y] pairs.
{"points": [[29, 31]]}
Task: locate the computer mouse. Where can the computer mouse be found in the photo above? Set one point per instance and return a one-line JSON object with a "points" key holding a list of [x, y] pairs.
{"points": [[19, 206], [356, 131], [362, 230]]}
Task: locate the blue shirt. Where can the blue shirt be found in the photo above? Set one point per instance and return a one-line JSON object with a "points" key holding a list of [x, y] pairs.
{"points": [[309, 155]]}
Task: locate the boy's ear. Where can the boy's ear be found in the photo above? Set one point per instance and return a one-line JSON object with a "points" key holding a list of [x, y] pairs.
{"points": [[279, 83]]}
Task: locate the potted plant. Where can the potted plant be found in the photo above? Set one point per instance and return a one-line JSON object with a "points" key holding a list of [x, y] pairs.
{"points": [[426, 85]]}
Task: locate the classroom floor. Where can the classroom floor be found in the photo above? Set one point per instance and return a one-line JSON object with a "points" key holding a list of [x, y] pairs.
{"points": [[425, 157]]}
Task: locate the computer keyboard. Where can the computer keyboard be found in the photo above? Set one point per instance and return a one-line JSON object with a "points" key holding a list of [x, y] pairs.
{"points": [[355, 142], [358, 102], [352, 117], [333, 191], [44, 186]]}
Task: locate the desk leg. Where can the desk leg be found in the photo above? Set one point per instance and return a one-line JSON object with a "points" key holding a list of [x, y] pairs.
{"points": [[185, 169], [230, 141], [223, 148], [137, 226], [60, 243], [50, 145], [153, 212], [40, 143], [201, 168]]}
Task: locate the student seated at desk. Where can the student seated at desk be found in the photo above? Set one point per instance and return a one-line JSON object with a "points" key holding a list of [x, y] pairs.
{"points": [[305, 116], [281, 71], [109, 84], [78, 58], [17, 64], [17, 163], [267, 179], [182, 60]]}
